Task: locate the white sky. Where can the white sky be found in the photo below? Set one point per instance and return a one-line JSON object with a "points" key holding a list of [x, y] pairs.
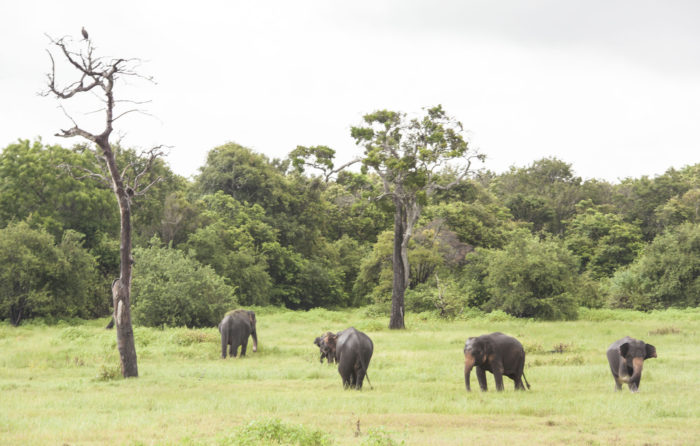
{"points": [[612, 87]]}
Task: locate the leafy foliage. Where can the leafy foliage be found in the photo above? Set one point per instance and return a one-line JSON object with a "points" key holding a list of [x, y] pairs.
{"points": [[34, 187], [41, 279], [667, 274], [532, 278], [172, 289], [278, 233], [274, 431], [603, 242]]}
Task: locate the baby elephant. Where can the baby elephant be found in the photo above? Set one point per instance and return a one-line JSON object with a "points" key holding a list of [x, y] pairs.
{"points": [[498, 354], [626, 357], [326, 348]]}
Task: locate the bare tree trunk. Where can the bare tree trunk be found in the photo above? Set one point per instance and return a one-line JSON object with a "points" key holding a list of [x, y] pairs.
{"points": [[121, 288], [400, 264]]}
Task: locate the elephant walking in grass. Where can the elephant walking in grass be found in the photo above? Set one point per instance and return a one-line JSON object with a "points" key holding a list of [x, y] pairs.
{"points": [[497, 353], [626, 358], [235, 328], [353, 351]]}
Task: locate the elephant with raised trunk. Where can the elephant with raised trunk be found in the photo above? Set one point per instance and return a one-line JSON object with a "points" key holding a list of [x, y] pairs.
{"points": [[353, 351], [496, 353], [235, 328], [626, 358]]}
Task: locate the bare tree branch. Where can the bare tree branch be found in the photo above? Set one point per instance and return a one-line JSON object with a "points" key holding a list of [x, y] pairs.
{"points": [[88, 174]]}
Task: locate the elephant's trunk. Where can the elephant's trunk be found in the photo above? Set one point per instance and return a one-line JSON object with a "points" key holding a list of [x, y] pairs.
{"points": [[637, 366], [255, 340], [468, 365]]}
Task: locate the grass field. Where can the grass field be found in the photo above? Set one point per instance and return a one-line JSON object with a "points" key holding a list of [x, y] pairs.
{"points": [[59, 385]]}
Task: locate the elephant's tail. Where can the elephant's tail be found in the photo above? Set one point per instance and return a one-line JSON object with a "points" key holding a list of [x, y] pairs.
{"points": [[364, 366], [528, 384]]}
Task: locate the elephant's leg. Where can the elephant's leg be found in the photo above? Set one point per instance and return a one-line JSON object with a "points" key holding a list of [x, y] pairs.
{"points": [[360, 374], [244, 347], [481, 376], [353, 379], [498, 377], [233, 351], [517, 379], [618, 384], [498, 371]]}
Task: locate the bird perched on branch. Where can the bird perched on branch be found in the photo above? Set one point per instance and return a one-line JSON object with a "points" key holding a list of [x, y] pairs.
{"points": [[85, 33]]}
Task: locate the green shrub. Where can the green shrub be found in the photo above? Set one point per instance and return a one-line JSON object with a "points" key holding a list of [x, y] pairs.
{"points": [[274, 431], [172, 289], [39, 278], [108, 372], [379, 437], [532, 278]]}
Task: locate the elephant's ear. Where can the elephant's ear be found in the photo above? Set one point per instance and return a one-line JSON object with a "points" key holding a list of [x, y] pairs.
{"points": [[624, 348], [330, 339], [651, 351]]}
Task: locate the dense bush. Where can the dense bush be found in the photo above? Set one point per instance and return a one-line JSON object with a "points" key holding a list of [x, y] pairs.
{"points": [[172, 289], [667, 274], [532, 278], [41, 279]]}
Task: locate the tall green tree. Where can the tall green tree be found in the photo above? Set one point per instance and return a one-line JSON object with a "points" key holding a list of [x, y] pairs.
{"points": [[409, 155], [35, 187], [234, 241], [603, 242], [643, 201], [292, 204], [543, 194]]}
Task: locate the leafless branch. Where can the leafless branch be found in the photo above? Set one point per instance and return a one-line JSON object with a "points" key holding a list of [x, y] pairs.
{"points": [[87, 174]]}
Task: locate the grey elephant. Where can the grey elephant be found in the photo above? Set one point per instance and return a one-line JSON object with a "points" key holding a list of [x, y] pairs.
{"points": [[327, 350], [235, 328], [353, 351], [626, 358], [497, 353]]}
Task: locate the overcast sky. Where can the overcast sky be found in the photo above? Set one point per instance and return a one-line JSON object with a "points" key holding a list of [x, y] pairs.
{"points": [[612, 87]]}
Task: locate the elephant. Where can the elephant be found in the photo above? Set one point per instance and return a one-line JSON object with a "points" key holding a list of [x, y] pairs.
{"points": [[326, 350], [497, 353], [626, 358], [235, 328], [353, 351]]}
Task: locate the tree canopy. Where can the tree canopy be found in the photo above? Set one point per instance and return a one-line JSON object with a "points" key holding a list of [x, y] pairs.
{"points": [[534, 241]]}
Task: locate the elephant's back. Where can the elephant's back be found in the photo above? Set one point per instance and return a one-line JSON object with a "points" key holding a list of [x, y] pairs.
{"points": [[505, 340]]}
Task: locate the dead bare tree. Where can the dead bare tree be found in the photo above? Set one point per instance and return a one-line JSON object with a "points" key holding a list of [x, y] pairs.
{"points": [[98, 76]]}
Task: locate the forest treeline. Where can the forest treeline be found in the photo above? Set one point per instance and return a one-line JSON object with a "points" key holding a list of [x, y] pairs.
{"points": [[535, 241]]}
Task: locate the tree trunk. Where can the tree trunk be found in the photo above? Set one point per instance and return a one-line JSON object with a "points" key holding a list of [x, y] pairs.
{"points": [[400, 264], [121, 288]]}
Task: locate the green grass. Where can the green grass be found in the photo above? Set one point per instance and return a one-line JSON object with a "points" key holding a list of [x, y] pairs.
{"points": [[60, 384]]}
